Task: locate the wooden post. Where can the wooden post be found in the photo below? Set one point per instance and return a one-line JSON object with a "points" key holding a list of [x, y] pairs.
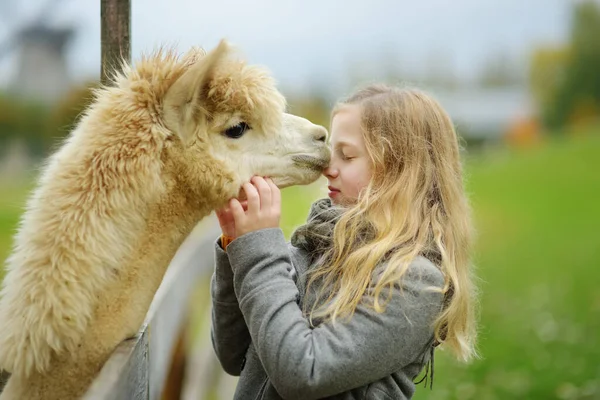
{"points": [[115, 35]]}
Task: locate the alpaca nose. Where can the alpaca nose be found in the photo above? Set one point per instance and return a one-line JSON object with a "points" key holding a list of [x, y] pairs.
{"points": [[320, 134]]}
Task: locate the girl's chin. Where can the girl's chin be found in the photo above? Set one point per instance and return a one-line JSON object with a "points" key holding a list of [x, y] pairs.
{"points": [[339, 200]]}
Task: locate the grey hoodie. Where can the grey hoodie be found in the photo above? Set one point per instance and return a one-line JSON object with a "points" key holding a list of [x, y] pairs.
{"points": [[260, 333]]}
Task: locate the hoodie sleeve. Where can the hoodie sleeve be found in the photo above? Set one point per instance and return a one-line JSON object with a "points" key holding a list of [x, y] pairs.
{"points": [[311, 363], [229, 333]]}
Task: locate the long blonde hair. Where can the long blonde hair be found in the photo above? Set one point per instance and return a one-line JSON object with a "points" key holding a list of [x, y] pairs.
{"points": [[414, 205]]}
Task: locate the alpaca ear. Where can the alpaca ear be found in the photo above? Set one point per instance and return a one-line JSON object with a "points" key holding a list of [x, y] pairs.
{"points": [[184, 101]]}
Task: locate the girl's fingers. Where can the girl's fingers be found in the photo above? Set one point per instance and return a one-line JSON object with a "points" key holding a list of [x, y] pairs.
{"points": [[264, 192], [275, 195], [237, 210], [253, 198]]}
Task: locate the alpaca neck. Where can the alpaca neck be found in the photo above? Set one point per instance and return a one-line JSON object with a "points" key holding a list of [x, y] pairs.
{"points": [[169, 222]]}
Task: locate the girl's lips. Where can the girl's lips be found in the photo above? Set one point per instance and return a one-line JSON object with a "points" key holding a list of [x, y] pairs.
{"points": [[333, 192]]}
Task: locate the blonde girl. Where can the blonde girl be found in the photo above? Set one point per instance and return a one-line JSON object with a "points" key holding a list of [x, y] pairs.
{"points": [[377, 278]]}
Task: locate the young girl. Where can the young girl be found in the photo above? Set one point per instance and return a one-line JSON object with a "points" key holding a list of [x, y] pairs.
{"points": [[378, 276]]}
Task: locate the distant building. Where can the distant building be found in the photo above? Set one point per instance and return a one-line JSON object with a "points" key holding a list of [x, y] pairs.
{"points": [[42, 72], [487, 114]]}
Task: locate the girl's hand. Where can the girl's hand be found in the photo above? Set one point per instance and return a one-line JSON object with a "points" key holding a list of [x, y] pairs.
{"points": [[263, 210], [226, 220]]}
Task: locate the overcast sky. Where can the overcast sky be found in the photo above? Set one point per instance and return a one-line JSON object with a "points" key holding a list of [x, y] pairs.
{"points": [[318, 40]]}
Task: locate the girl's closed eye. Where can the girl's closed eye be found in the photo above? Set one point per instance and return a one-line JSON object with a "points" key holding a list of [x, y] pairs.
{"points": [[346, 156]]}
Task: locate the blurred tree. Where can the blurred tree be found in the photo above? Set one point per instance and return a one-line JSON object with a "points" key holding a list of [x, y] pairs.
{"points": [[32, 122], [313, 107], [578, 95], [20, 120], [38, 125], [65, 115], [8, 120], [546, 73]]}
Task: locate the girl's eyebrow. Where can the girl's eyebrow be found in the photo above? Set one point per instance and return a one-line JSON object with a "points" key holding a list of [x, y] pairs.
{"points": [[343, 143]]}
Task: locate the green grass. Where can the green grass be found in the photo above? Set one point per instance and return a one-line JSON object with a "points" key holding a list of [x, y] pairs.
{"points": [[538, 257], [295, 204], [12, 202]]}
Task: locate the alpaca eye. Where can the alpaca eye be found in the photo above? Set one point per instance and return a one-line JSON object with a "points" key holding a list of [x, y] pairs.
{"points": [[237, 131]]}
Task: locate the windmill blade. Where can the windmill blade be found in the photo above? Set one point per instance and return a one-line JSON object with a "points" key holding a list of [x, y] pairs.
{"points": [[7, 11], [46, 11]]}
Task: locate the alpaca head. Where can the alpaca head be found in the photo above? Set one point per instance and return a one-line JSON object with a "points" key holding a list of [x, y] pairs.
{"points": [[229, 120]]}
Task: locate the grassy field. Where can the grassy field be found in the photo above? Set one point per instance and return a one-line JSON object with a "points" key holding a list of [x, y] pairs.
{"points": [[538, 259], [12, 202]]}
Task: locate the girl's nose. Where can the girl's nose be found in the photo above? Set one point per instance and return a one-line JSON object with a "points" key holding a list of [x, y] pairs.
{"points": [[331, 172]]}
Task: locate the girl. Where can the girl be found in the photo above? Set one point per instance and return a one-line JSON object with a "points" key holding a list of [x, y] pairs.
{"points": [[378, 276]]}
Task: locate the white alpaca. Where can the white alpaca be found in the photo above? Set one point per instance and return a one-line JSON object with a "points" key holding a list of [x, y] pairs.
{"points": [[169, 142]]}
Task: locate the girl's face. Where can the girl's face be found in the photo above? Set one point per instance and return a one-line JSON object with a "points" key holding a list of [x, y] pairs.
{"points": [[350, 168]]}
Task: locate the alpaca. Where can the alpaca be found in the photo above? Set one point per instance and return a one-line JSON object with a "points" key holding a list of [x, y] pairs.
{"points": [[170, 141]]}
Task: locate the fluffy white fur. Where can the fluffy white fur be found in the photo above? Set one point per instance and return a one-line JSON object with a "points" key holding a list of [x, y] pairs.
{"points": [[146, 162]]}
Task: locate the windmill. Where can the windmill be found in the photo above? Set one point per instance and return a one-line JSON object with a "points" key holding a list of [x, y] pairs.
{"points": [[41, 71]]}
